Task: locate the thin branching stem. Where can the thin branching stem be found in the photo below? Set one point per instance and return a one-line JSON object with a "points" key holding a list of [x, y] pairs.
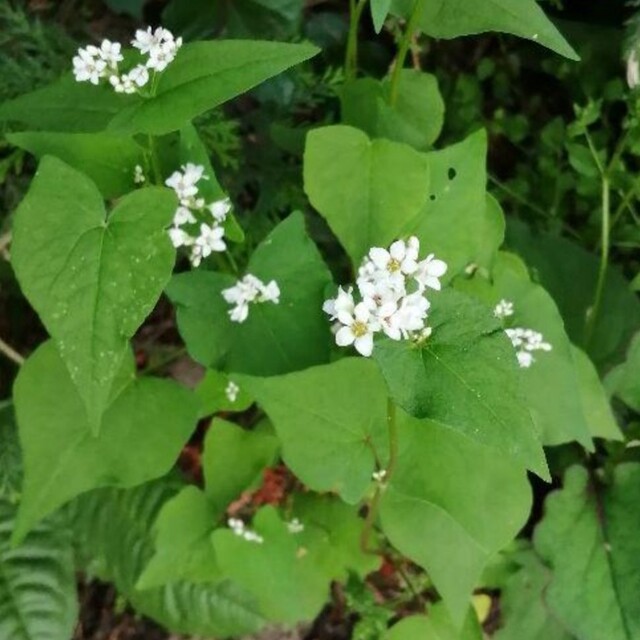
{"points": [[11, 353]]}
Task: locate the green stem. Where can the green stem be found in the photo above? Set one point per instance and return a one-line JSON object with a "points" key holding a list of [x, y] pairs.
{"points": [[604, 260], [402, 50], [374, 506], [351, 55]]}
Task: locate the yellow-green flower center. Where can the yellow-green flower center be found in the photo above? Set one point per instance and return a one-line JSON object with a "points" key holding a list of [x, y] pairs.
{"points": [[359, 329]]}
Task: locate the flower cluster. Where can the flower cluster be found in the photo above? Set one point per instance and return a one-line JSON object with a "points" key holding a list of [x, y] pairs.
{"points": [[392, 285], [238, 527], [379, 476], [187, 230], [249, 290], [92, 64], [525, 341]]}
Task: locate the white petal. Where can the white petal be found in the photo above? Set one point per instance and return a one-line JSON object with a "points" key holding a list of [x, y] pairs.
{"points": [[344, 337], [380, 257], [398, 250], [364, 344]]}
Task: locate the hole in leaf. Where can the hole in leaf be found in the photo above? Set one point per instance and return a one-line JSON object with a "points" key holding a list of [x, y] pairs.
{"points": [[432, 197], [452, 173]]}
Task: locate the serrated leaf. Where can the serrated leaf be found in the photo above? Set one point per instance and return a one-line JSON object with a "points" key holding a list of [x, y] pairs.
{"points": [[92, 278], [183, 549], [589, 539], [369, 191], [275, 338], [464, 375], [143, 431], [234, 459], [331, 421], [37, 581], [113, 535], [203, 76], [453, 18], [459, 496], [106, 159], [457, 223]]}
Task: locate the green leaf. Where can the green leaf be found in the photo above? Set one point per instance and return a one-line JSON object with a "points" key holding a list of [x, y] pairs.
{"points": [[453, 18], [465, 375], [193, 150], [289, 579], [10, 455], [234, 459], [143, 431], [569, 274], [457, 223], [595, 404], [624, 380], [336, 526], [203, 76], [213, 395], [589, 539], [275, 338], [331, 421], [416, 118], [450, 505], [37, 581], [379, 12], [106, 159], [369, 191], [66, 106], [525, 613], [436, 626], [550, 385], [132, 8], [183, 542], [92, 279], [113, 536]]}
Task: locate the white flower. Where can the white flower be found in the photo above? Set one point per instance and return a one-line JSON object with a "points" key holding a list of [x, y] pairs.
{"points": [[209, 240], [342, 303], [358, 329], [139, 75], [122, 84], [249, 290], [503, 309], [138, 175], [430, 271], [410, 316], [525, 342], [184, 182], [110, 53], [401, 256], [88, 66], [238, 527], [180, 238], [295, 526], [182, 216], [219, 209], [231, 391], [252, 536], [379, 476]]}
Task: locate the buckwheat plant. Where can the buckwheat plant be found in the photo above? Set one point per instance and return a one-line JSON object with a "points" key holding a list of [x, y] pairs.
{"points": [[233, 496]]}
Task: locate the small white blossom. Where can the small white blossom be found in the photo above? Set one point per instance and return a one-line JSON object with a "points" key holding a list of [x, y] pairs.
{"points": [[180, 238], [110, 52], [392, 285], [209, 240], [379, 476], [526, 341], [184, 182], [138, 175], [139, 75], [249, 290], [182, 216], [88, 66], [231, 391], [122, 84], [220, 209], [238, 527], [295, 526], [503, 309], [358, 329]]}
